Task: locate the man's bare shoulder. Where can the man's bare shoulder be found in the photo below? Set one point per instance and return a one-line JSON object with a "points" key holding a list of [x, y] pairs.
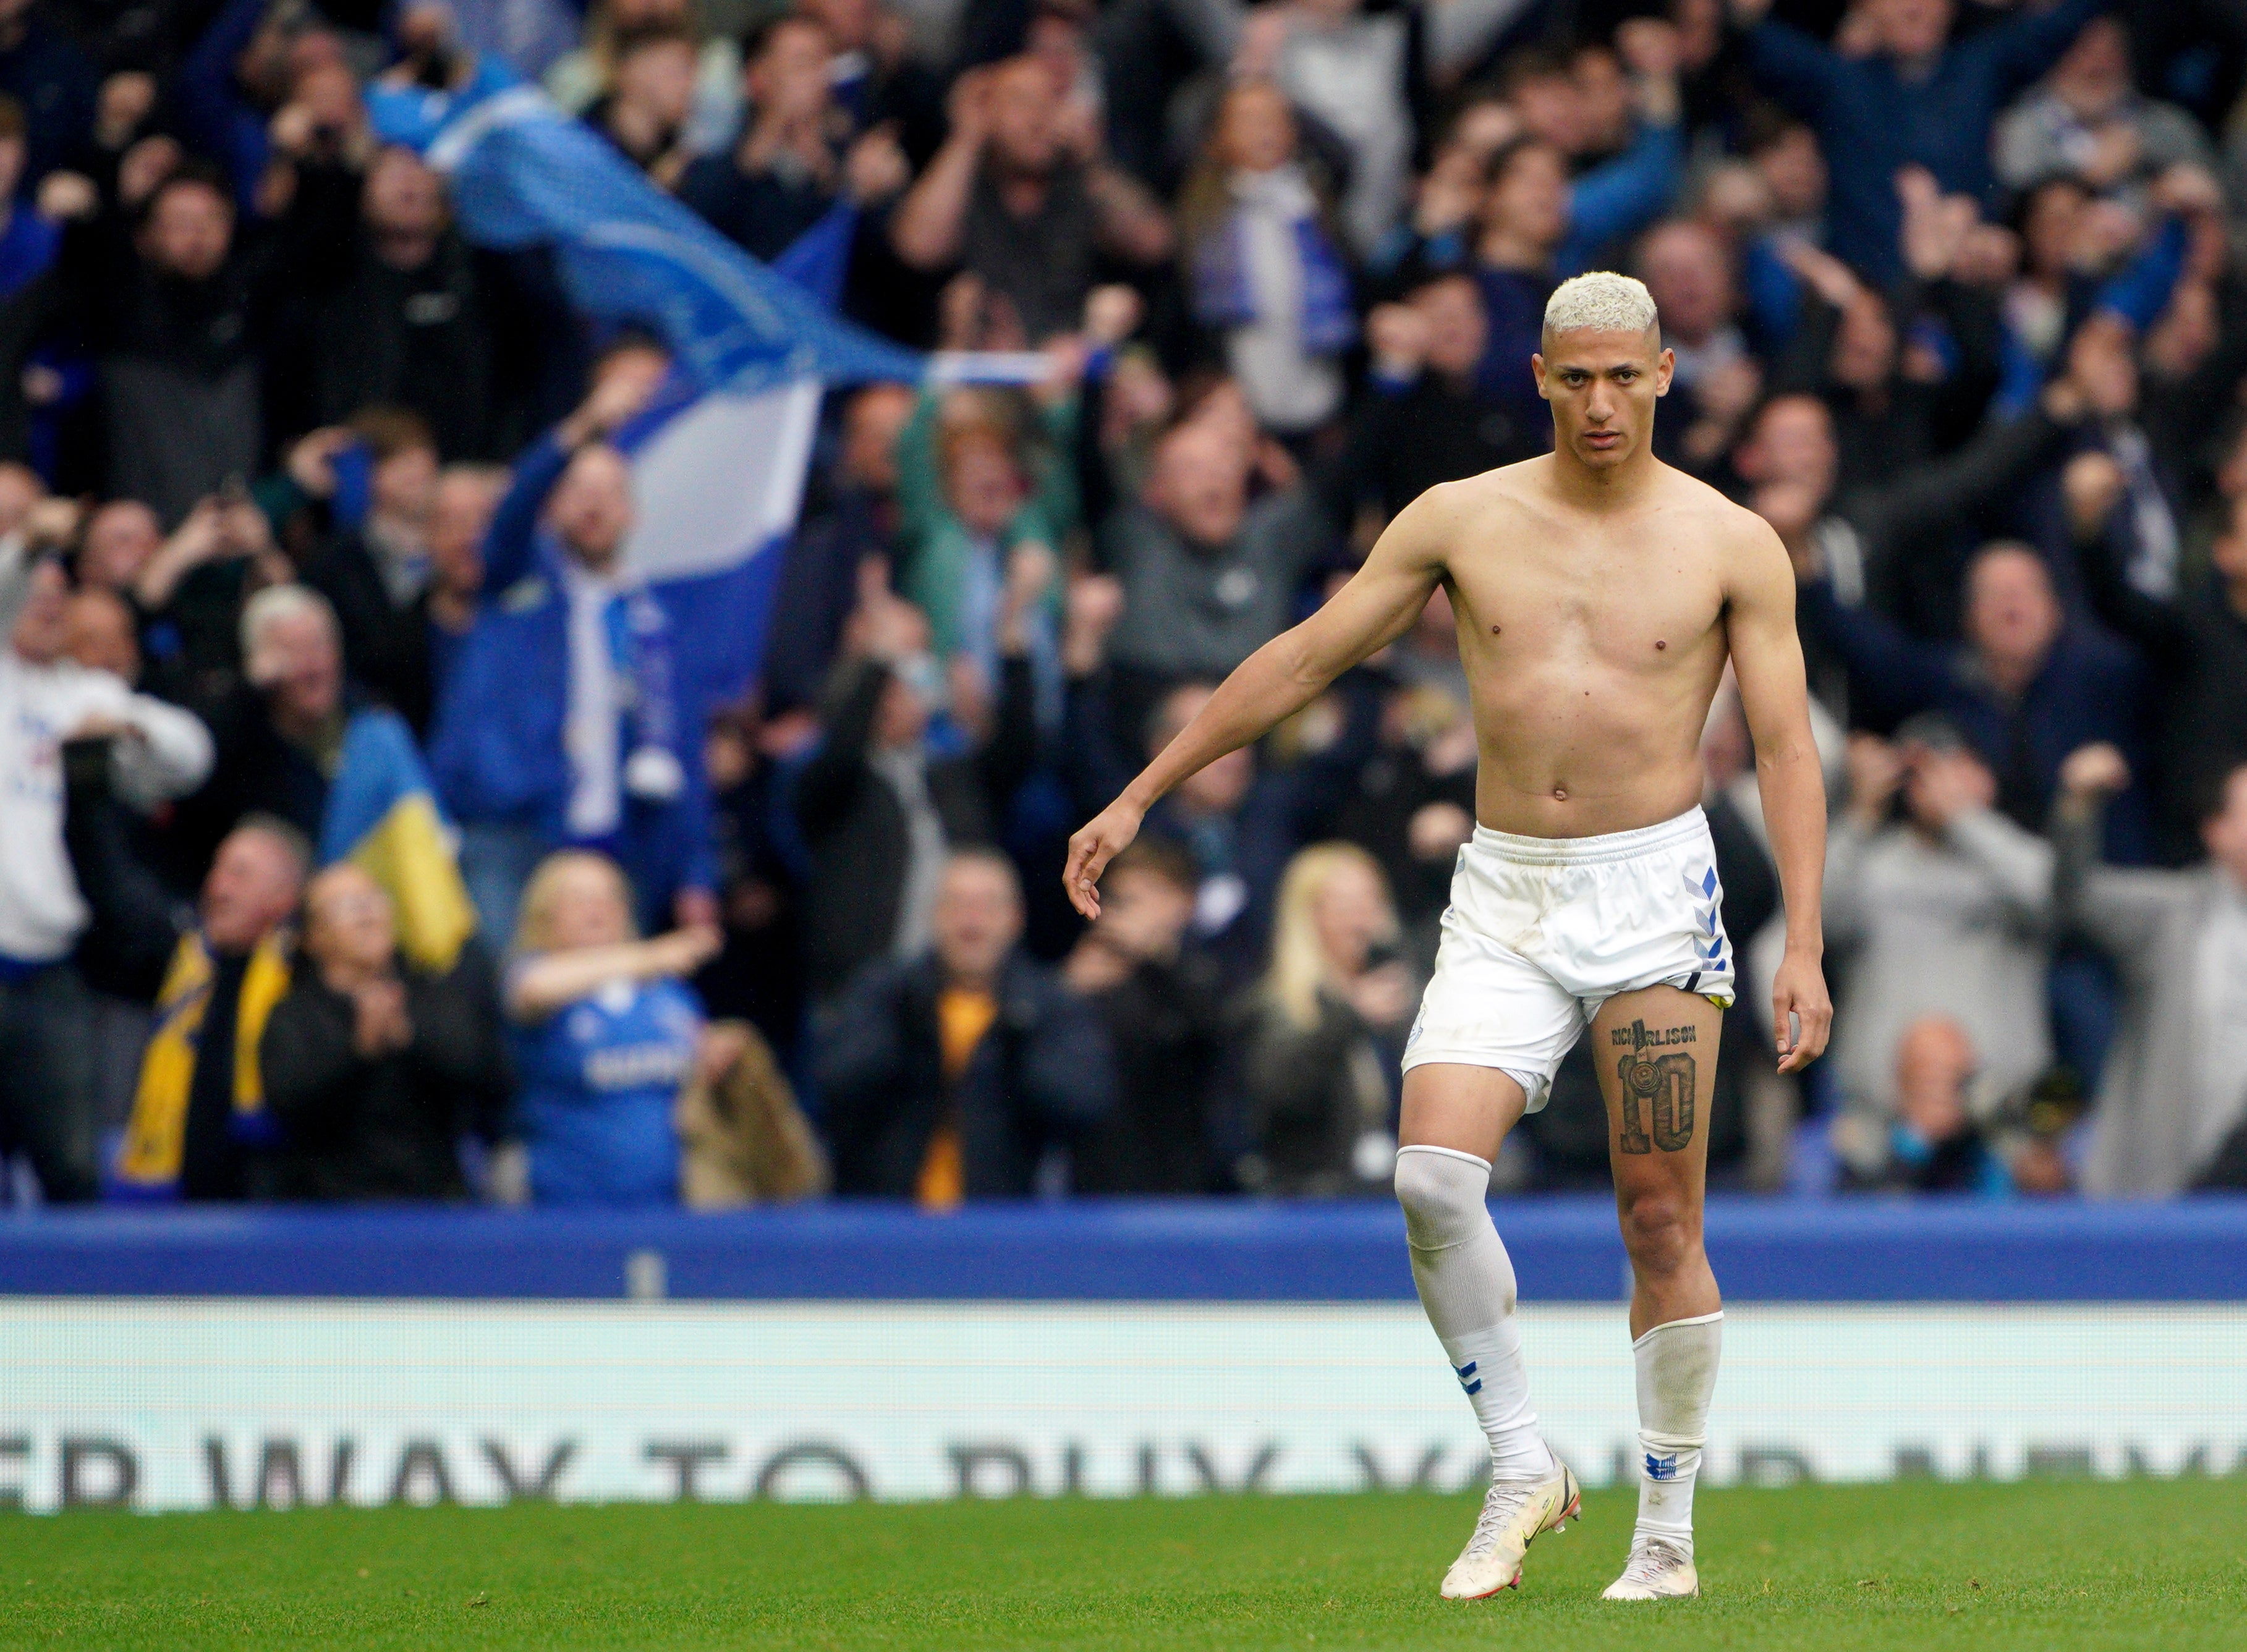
{"points": [[1736, 534], [1520, 483], [1452, 514], [1477, 503], [1675, 490]]}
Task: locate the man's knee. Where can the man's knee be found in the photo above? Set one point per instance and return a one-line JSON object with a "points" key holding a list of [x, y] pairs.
{"points": [[1660, 1230], [1444, 1194]]}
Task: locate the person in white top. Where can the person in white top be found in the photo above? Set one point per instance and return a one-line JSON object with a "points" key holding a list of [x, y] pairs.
{"points": [[160, 752]]}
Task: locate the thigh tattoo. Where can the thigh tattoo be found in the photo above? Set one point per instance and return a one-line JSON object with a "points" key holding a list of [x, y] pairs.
{"points": [[1662, 1084]]}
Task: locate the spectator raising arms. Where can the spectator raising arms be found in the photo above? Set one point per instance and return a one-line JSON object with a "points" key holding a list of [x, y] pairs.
{"points": [[157, 751], [1429, 419], [393, 309], [607, 1034], [177, 305], [560, 724], [794, 158], [1947, 913], [1906, 94], [1209, 574], [881, 806], [2174, 1113], [1024, 202]]}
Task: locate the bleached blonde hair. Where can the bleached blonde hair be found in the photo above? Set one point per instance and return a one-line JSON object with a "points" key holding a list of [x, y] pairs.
{"points": [[1600, 301]]}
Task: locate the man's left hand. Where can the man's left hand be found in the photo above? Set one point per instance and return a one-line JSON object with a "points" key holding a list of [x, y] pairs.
{"points": [[1801, 1011]]}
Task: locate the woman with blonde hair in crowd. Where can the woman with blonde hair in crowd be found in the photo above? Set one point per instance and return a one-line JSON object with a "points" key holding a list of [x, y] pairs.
{"points": [[606, 1032], [1319, 1034]]}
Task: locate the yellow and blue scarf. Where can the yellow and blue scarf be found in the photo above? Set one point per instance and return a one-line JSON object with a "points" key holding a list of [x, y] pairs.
{"points": [[147, 1159]]}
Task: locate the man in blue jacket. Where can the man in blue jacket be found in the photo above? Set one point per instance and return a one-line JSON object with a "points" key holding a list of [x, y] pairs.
{"points": [[1916, 99], [560, 723]]}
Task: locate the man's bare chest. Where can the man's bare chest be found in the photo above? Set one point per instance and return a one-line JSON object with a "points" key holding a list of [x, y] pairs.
{"points": [[1647, 607]]}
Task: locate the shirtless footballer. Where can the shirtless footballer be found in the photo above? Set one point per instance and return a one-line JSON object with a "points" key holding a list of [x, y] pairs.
{"points": [[1599, 593]]}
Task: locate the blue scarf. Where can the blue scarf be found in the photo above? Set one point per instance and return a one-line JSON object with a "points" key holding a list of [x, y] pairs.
{"points": [[1225, 297], [639, 640]]}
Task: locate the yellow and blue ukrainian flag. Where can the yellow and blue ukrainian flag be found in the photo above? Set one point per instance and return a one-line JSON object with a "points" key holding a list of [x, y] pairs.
{"points": [[383, 818]]}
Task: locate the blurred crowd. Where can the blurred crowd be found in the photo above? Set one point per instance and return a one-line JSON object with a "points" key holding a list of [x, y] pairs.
{"points": [[304, 490]]}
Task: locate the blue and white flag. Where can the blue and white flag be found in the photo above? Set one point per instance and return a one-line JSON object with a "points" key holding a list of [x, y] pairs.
{"points": [[524, 174], [716, 484], [719, 463]]}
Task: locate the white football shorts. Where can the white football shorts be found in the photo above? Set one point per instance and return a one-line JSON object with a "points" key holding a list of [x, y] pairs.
{"points": [[1542, 930]]}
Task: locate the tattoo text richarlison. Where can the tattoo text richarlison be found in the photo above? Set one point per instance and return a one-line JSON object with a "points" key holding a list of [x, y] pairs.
{"points": [[1663, 1084]]}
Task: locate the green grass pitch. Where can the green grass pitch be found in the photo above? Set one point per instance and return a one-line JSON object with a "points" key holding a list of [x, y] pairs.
{"points": [[2049, 1566]]}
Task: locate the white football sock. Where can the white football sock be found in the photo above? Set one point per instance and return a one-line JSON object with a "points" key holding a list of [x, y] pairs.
{"points": [[1466, 1285], [1676, 1375]]}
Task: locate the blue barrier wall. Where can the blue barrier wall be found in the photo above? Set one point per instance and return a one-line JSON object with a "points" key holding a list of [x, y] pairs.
{"points": [[1564, 1250]]}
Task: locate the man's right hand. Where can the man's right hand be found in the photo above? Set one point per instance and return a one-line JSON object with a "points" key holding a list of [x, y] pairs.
{"points": [[53, 523], [1823, 273], [144, 166], [1100, 841], [883, 626]]}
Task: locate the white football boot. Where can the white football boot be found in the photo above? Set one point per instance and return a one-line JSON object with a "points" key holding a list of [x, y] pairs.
{"points": [[1657, 1571], [1514, 1513]]}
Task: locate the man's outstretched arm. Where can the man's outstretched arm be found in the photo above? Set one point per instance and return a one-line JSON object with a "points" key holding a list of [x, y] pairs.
{"points": [[1378, 605], [1767, 659]]}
